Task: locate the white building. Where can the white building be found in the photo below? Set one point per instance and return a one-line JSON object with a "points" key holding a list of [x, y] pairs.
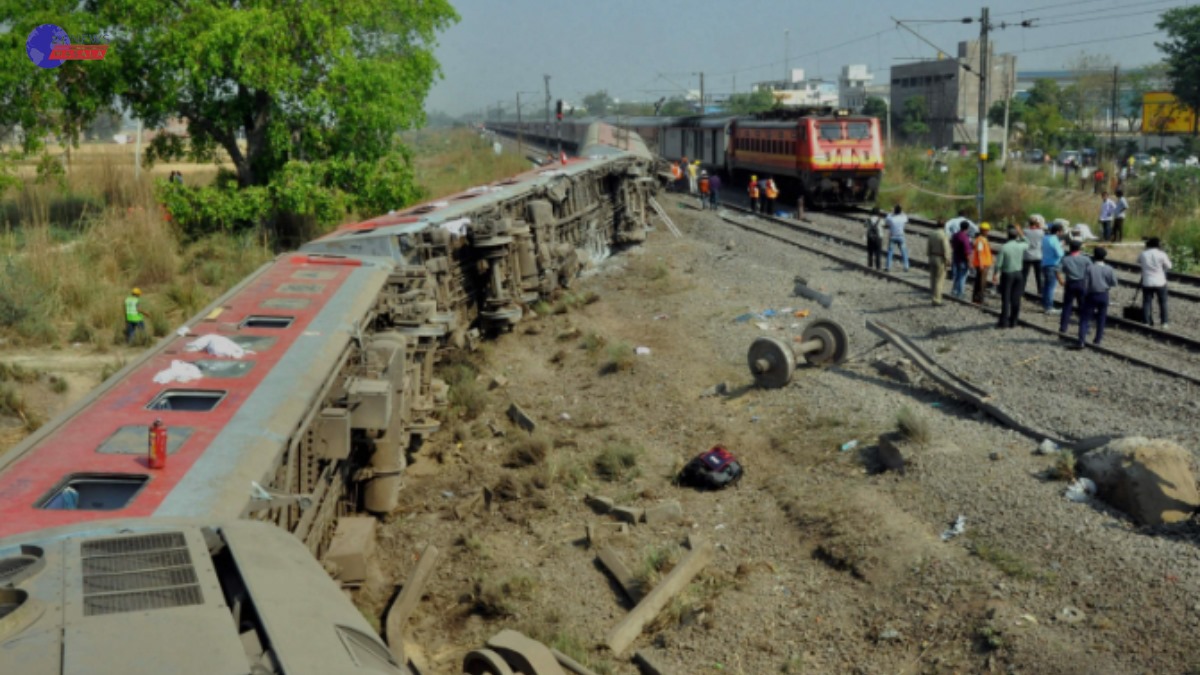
{"points": [[799, 91], [852, 86]]}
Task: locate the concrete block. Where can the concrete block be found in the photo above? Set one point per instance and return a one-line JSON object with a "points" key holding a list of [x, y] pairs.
{"points": [[599, 504], [498, 381], [627, 514], [520, 418], [352, 546], [666, 512]]}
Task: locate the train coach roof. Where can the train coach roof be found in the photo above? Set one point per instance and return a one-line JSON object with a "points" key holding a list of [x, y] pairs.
{"points": [[225, 430]]}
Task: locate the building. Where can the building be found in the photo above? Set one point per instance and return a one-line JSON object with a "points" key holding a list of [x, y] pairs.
{"points": [[852, 87], [800, 91], [951, 92]]}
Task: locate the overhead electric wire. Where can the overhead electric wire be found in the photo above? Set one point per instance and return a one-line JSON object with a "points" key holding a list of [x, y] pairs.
{"points": [[1045, 7], [1087, 42], [1066, 22]]}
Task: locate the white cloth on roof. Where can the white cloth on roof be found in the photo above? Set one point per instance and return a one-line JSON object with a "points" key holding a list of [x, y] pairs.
{"points": [[1083, 232], [217, 345], [458, 227], [180, 371]]}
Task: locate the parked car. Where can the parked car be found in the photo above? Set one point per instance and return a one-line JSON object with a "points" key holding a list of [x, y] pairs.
{"points": [[1069, 156], [1142, 159], [1036, 156]]}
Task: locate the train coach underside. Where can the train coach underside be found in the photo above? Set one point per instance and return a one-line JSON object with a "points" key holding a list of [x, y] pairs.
{"points": [[838, 187], [379, 402]]}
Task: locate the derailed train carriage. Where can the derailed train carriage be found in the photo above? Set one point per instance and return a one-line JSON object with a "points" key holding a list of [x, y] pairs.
{"points": [[335, 390]]}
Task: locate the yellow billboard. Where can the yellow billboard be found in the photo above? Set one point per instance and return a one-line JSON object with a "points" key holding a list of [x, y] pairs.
{"points": [[1162, 113]]}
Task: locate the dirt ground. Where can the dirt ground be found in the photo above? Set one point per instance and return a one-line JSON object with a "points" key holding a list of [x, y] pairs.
{"points": [[824, 564]]}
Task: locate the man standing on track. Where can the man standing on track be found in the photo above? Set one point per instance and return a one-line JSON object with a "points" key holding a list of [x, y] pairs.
{"points": [[1072, 277], [753, 190], [693, 172], [938, 253], [1033, 254], [981, 260], [771, 193], [1097, 283], [704, 187], [1052, 253], [677, 175], [1119, 216], [1155, 265], [1008, 272], [875, 239], [896, 223], [1108, 209], [714, 190], [960, 247]]}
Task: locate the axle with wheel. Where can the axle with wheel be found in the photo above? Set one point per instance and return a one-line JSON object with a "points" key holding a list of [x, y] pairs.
{"points": [[772, 361]]}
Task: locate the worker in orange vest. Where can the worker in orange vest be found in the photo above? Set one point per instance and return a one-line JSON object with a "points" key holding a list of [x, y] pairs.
{"points": [[754, 193], [981, 260], [677, 174], [704, 187], [772, 193]]}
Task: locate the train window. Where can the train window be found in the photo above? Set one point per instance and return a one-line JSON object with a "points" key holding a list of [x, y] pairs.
{"points": [[307, 289], [133, 439], [93, 492], [858, 131], [186, 400], [267, 321], [223, 367], [254, 343], [831, 131], [285, 303], [314, 275]]}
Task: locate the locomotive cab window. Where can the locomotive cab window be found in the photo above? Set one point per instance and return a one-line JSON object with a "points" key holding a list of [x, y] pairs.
{"points": [[830, 132], [186, 400], [858, 131]]}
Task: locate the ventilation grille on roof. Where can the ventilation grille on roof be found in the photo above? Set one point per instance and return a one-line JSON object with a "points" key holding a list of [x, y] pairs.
{"points": [[133, 574]]}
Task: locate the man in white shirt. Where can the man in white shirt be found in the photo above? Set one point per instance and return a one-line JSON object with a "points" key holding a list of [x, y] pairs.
{"points": [[1119, 216], [1155, 264], [1108, 209], [896, 222], [954, 224]]}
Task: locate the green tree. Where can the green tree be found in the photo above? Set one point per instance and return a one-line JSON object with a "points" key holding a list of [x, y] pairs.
{"points": [[329, 82], [676, 107], [1016, 113], [875, 107], [598, 103], [1137, 83], [748, 104], [914, 117], [1044, 125], [1182, 50], [1044, 91], [631, 108]]}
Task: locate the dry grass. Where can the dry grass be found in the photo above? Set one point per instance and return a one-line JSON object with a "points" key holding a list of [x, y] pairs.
{"points": [[447, 162], [528, 451], [913, 427], [617, 462], [620, 358]]}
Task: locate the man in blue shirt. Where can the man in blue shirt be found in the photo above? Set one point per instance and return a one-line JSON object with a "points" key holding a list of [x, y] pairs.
{"points": [[1052, 254]]}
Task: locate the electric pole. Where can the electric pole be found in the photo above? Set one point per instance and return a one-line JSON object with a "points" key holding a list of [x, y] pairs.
{"points": [[547, 78], [1008, 94], [1112, 132], [701, 92], [983, 98]]}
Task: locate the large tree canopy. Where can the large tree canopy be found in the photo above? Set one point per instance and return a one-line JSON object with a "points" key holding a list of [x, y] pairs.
{"points": [[1182, 50], [267, 81]]}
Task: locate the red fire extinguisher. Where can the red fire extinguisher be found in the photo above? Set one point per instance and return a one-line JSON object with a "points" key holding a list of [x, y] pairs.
{"points": [[158, 445]]}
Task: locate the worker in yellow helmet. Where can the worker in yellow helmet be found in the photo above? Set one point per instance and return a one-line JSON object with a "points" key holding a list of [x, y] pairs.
{"points": [[693, 172], [754, 193], [134, 316]]}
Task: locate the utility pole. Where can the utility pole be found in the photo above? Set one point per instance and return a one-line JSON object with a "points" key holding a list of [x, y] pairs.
{"points": [[520, 135], [701, 92], [1112, 132], [547, 78], [983, 97], [1008, 94]]}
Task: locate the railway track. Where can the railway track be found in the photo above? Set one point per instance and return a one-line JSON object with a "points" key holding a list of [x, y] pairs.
{"points": [[1191, 283], [749, 220]]}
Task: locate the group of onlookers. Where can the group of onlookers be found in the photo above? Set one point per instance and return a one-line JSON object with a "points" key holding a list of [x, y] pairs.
{"points": [[1052, 255]]}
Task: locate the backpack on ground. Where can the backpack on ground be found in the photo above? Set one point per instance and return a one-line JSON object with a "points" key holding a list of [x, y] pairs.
{"points": [[712, 470]]}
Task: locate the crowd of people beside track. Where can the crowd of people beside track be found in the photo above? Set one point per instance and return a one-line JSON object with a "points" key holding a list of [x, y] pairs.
{"points": [[1052, 255]]}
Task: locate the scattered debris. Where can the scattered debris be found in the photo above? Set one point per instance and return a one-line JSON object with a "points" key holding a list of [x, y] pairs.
{"points": [[641, 351], [801, 314], [404, 604], [523, 654], [848, 445], [520, 418], [496, 430], [628, 514], [995, 455], [742, 318], [352, 546], [895, 453], [647, 664], [601, 505], [667, 512], [762, 325], [660, 317], [497, 382], [1070, 614], [712, 470], [802, 289], [620, 573], [625, 632], [571, 664], [718, 389], [889, 635], [1151, 480], [960, 526], [566, 417], [1081, 490], [1046, 447]]}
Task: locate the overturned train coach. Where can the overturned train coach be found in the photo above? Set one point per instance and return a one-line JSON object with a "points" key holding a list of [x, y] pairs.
{"points": [[102, 556]]}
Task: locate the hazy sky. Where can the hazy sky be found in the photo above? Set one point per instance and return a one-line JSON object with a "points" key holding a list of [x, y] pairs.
{"points": [[644, 49]]}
